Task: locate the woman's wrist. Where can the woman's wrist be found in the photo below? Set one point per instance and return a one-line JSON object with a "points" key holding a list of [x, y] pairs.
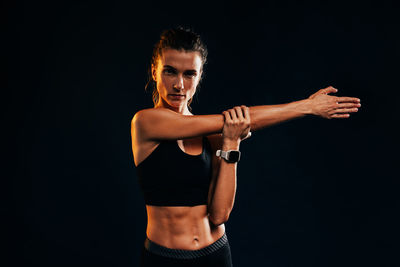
{"points": [[230, 144], [304, 106]]}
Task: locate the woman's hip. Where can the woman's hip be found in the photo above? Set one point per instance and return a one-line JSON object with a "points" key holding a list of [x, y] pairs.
{"points": [[216, 254]]}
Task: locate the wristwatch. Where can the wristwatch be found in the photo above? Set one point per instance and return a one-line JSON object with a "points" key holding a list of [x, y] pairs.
{"points": [[230, 155]]}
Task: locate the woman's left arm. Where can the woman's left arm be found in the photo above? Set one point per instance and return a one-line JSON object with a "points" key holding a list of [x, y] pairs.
{"points": [[223, 185]]}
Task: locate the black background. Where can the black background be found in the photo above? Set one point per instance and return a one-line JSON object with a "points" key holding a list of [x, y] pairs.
{"points": [[311, 192]]}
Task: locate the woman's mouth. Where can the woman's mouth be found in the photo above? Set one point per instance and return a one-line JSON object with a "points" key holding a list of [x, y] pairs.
{"points": [[177, 96]]}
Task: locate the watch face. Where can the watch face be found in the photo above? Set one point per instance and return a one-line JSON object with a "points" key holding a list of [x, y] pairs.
{"points": [[234, 156]]}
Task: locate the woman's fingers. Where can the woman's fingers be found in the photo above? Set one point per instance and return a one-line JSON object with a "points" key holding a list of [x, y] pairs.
{"points": [[346, 110], [329, 90], [342, 99], [239, 113], [340, 116], [227, 116], [246, 122], [246, 112], [348, 105], [233, 115]]}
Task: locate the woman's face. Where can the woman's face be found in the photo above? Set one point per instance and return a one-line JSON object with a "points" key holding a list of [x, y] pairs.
{"points": [[177, 74]]}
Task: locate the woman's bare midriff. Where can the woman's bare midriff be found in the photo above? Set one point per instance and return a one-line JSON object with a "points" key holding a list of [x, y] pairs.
{"points": [[182, 227]]}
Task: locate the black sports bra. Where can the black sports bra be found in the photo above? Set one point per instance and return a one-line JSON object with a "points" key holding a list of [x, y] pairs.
{"points": [[171, 177]]}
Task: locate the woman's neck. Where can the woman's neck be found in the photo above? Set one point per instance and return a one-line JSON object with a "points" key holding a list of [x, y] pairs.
{"points": [[183, 109]]}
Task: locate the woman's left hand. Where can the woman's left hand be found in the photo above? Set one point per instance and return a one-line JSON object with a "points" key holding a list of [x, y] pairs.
{"points": [[329, 107], [237, 124]]}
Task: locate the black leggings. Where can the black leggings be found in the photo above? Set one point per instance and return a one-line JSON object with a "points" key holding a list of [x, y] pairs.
{"points": [[216, 254]]}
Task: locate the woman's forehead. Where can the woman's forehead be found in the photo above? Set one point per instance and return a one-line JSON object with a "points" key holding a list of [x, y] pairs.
{"points": [[180, 59]]}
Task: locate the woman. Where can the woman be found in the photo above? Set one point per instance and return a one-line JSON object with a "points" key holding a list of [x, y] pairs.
{"points": [[189, 191]]}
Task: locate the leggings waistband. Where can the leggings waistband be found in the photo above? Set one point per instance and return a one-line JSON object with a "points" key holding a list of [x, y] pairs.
{"points": [[183, 253]]}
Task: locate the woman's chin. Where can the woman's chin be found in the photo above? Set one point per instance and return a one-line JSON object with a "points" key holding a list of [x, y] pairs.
{"points": [[176, 104]]}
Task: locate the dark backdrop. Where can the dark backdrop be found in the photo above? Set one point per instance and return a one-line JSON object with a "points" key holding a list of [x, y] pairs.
{"points": [[311, 192]]}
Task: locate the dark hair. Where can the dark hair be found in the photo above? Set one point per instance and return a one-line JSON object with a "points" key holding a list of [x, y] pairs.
{"points": [[178, 38]]}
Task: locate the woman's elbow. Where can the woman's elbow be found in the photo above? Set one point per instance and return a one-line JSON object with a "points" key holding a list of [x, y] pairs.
{"points": [[218, 220]]}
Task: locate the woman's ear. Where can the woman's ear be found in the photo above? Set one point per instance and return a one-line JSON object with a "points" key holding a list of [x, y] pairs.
{"points": [[153, 73], [201, 74]]}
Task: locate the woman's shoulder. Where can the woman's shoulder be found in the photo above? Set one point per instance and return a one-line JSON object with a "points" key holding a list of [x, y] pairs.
{"points": [[146, 111], [149, 113]]}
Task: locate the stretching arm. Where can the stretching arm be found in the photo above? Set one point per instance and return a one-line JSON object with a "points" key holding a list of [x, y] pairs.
{"points": [[268, 115], [162, 123]]}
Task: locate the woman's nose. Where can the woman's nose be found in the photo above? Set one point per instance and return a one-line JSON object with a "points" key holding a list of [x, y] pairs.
{"points": [[179, 83]]}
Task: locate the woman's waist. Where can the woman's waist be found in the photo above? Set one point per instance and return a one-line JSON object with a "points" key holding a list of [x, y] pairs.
{"points": [[186, 253], [184, 233]]}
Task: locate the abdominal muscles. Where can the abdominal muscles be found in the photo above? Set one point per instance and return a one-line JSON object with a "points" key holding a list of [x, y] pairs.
{"points": [[181, 227]]}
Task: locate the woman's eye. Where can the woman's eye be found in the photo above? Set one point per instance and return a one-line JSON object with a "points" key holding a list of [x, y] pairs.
{"points": [[168, 71], [190, 74]]}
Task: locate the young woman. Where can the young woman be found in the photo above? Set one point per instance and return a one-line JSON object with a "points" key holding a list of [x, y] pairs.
{"points": [[189, 191]]}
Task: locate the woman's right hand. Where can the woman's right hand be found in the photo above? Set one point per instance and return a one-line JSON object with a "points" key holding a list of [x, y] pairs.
{"points": [[237, 124]]}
